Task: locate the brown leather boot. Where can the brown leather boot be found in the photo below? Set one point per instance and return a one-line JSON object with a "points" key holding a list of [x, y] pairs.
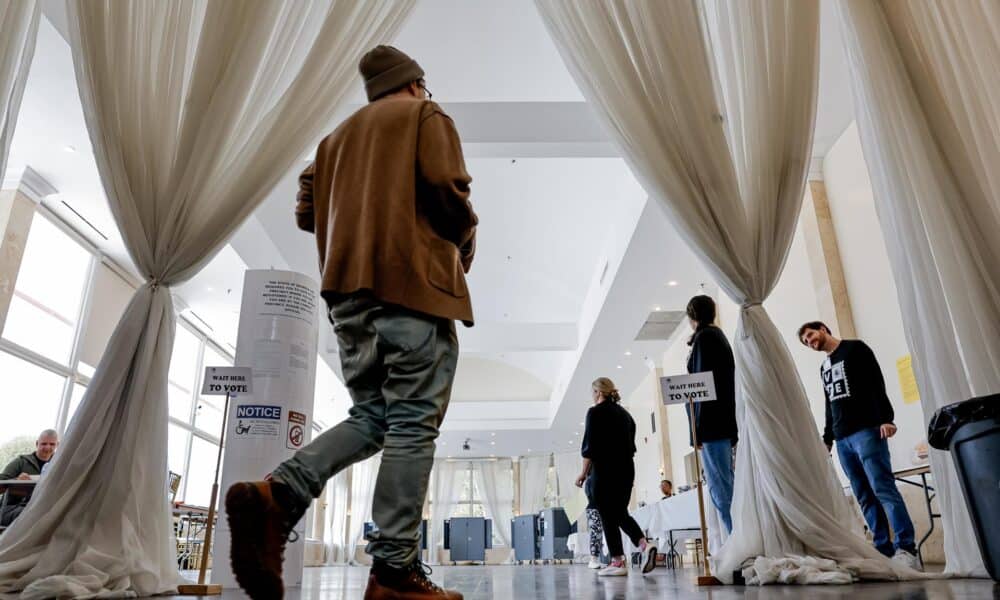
{"points": [[410, 583], [261, 517]]}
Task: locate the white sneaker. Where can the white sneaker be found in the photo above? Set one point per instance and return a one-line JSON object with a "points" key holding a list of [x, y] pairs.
{"points": [[613, 570], [649, 558], [907, 559], [595, 563]]}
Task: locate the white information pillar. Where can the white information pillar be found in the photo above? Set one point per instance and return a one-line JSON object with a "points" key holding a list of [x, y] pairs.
{"points": [[278, 334]]}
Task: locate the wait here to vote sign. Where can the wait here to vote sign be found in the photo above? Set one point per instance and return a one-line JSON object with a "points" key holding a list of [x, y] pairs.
{"points": [[681, 389], [220, 381]]}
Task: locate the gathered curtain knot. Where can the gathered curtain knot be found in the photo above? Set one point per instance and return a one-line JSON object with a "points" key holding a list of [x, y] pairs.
{"points": [[750, 304]]}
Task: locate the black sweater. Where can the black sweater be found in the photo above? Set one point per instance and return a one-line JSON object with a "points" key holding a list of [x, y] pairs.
{"points": [[609, 433], [855, 391], [710, 351]]}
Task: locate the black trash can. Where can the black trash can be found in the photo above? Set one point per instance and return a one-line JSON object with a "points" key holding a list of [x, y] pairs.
{"points": [[971, 431]]}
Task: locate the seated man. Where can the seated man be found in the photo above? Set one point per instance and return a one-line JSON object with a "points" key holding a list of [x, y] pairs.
{"points": [[667, 488], [25, 467]]}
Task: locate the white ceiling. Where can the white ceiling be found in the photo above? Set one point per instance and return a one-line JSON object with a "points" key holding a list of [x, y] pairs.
{"points": [[555, 202]]}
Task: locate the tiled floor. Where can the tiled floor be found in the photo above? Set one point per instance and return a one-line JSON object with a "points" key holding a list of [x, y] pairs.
{"points": [[577, 583]]}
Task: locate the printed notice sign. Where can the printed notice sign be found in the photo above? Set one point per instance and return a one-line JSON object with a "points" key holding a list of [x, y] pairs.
{"points": [[907, 380], [296, 430], [258, 421], [220, 381], [681, 389]]}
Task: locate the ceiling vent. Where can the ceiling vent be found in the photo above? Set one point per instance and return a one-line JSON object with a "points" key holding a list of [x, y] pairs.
{"points": [[660, 325]]}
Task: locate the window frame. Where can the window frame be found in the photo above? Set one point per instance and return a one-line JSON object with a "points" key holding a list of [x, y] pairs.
{"points": [[72, 377]]}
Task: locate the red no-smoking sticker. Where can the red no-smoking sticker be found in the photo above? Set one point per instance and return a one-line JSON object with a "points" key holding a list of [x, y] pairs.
{"points": [[296, 430]]}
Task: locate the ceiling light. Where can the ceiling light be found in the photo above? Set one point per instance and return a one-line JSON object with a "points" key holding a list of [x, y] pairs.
{"points": [[576, 433], [657, 308], [529, 449], [493, 434], [628, 353], [582, 424], [671, 283], [571, 441], [70, 149], [493, 443], [619, 366]]}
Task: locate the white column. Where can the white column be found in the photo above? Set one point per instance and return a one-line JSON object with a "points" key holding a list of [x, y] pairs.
{"points": [[279, 325]]}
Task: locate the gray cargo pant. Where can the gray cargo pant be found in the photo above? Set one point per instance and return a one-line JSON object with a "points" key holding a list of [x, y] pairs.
{"points": [[399, 366]]}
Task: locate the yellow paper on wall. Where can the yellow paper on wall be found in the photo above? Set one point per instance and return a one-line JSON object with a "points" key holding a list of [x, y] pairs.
{"points": [[907, 380]]}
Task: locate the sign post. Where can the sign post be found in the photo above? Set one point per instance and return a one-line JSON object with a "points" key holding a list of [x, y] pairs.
{"points": [[218, 381], [688, 389]]}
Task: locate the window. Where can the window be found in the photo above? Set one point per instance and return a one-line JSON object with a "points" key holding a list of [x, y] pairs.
{"points": [[76, 396], [208, 416], [195, 420], [469, 500], [34, 397], [551, 488], [51, 285], [183, 373], [201, 470], [178, 440], [64, 306]]}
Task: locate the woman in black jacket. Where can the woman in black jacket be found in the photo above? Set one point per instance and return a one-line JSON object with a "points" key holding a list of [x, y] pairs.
{"points": [[714, 422], [608, 448]]}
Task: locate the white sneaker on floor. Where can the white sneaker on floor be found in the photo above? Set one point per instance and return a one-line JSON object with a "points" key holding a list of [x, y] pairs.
{"points": [[613, 570], [595, 563], [907, 559], [649, 558]]}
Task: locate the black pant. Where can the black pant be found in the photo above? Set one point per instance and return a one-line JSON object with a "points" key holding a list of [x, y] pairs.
{"points": [[612, 489], [10, 513]]}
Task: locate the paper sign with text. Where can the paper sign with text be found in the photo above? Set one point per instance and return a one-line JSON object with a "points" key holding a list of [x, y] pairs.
{"points": [[681, 389], [220, 381]]}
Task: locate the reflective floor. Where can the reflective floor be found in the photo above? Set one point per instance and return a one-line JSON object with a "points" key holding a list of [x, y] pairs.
{"points": [[577, 583]]}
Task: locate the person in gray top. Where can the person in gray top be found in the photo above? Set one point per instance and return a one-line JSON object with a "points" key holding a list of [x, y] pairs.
{"points": [[25, 467]]}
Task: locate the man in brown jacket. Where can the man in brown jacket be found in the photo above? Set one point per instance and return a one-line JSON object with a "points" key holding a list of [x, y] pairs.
{"points": [[388, 200]]}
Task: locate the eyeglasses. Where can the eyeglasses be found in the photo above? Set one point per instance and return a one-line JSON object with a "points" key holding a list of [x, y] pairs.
{"points": [[423, 85]]}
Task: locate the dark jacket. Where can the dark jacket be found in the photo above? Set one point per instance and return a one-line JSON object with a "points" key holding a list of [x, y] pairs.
{"points": [[855, 391], [388, 200], [609, 435], [710, 351], [25, 463]]}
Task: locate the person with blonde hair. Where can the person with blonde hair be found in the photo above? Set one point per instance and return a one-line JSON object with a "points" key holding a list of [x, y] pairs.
{"points": [[608, 448]]}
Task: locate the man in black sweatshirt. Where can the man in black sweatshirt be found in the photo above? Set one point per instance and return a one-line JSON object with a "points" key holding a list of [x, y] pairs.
{"points": [[860, 418]]}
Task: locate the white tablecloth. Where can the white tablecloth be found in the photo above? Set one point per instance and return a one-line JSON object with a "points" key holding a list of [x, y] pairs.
{"points": [[657, 519]]}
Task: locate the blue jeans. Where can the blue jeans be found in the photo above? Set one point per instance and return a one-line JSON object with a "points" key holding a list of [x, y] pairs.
{"points": [[864, 456], [717, 457]]}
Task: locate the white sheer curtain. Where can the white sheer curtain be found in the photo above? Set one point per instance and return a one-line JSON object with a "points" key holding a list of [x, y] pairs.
{"points": [[927, 100], [363, 477], [338, 498], [18, 28], [495, 481], [712, 104], [534, 478], [195, 111], [568, 467], [446, 491]]}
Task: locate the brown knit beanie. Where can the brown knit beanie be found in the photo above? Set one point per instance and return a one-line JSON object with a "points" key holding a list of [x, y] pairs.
{"points": [[385, 69]]}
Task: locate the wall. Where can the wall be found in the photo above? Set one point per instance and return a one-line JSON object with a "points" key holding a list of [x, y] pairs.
{"points": [[649, 451], [870, 283]]}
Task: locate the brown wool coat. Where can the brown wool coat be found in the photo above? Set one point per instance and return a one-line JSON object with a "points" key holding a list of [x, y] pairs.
{"points": [[388, 200]]}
